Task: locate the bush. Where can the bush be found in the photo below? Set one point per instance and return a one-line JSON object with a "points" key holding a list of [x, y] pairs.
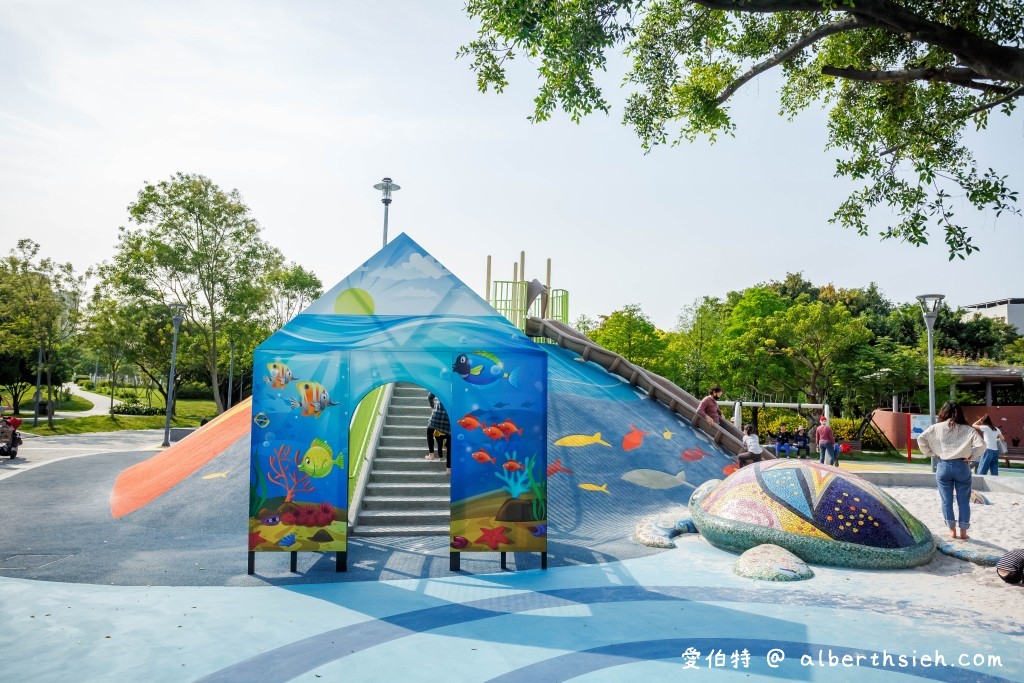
{"points": [[85, 384], [133, 406], [194, 390]]}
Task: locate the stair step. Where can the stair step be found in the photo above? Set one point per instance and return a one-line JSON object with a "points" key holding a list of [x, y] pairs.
{"points": [[408, 530], [406, 430], [408, 489], [418, 503], [426, 477], [414, 465], [404, 517], [406, 440], [418, 422]]}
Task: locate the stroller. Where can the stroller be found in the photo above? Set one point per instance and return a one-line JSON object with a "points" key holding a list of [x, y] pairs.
{"points": [[10, 439]]}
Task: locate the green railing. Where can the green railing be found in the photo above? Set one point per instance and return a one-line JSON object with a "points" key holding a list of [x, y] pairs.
{"points": [[509, 299], [361, 432]]}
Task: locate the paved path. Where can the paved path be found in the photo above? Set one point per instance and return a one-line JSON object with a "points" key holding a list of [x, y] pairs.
{"points": [[100, 403], [43, 450]]}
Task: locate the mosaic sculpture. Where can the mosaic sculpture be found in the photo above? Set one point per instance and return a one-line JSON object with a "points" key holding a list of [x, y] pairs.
{"points": [[821, 514]]}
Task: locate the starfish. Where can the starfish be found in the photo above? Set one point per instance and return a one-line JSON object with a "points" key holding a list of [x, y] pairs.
{"points": [[255, 539], [492, 538]]}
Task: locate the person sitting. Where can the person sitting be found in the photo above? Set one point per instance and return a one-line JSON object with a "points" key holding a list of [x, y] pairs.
{"points": [[782, 444], [753, 451], [1011, 566], [801, 443]]}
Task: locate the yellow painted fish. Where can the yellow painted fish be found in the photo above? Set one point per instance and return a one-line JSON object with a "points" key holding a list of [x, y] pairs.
{"points": [[280, 375], [320, 459], [667, 434], [576, 440], [595, 487], [314, 398], [216, 475]]}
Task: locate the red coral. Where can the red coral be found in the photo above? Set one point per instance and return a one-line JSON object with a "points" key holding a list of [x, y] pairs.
{"points": [[312, 515], [285, 473]]}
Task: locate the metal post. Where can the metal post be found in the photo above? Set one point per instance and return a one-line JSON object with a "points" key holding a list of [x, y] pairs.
{"points": [[931, 382], [39, 381], [386, 187], [387, 203], [487, 290], [176, 321], [231, 373]]}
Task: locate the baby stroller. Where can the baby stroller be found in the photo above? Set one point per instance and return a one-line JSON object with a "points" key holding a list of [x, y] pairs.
{"points": [[10, 439]]}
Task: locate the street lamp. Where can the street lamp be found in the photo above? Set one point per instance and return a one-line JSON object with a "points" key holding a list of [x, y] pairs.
{"points": [[386, 187], [176, 318], [930, 309]]}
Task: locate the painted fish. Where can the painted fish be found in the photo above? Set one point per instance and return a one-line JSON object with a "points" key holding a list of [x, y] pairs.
{"points": [[261, 420], [512, 466], [503, 404], [595, 487], [280, 375], [538, 530], [271, 520], [667, 434], [634, 439], [459, 542], [557, 467], [468, 422], [320, 459], [481, 367], [494, 433], [577, 440], [314, 398], [729, 469], [483, 456], [217, 475], [693, 455], [655, 479], [287, 541], [509, 428]]}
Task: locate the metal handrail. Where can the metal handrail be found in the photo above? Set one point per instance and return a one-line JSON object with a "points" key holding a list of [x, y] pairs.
{"points": [[657, 387]]}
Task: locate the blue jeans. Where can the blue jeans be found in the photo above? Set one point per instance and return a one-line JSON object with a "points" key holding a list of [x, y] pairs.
{"points": [[829, 448], [783, 448], [955, 476], [989, 462]]}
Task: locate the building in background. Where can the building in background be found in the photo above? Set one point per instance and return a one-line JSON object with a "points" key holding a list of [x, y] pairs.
{"points": [[1008, 310]]}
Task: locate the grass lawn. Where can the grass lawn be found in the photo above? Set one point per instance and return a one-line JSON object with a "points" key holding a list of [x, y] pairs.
{"points": [[155, 398], [72, 405], [190, 413]]}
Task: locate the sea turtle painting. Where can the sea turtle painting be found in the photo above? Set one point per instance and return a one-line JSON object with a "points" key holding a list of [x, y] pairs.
{"points": [[821, 514]]}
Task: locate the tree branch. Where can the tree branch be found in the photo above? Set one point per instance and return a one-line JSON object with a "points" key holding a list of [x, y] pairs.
{"points": [[958, 75], [811, 38]]}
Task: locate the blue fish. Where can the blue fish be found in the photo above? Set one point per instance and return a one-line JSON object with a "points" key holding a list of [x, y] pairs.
{"points": [[481, 367], [539, 530], [287, 541], [271, 520]]}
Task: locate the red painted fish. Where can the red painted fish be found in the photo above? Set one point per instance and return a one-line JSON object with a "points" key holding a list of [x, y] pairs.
{"points": [[512, 466], [483, 456], [469, 422], [557, 467], [494, 433], [729, 469], [633, 440], [692, 455], [508, 427]]}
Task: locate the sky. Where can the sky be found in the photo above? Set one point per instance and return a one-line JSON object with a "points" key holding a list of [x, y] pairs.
{"points": [[304, 106]]}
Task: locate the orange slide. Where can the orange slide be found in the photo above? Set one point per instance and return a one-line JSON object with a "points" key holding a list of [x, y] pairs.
{"points": [[140, 484]]}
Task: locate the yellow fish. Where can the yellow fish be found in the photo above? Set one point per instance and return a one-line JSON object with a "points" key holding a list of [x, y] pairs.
{"points": [[314, 398], [280, 375], [320, 459], [667, 434], [575, 440], [595, 487], [215, 475]]}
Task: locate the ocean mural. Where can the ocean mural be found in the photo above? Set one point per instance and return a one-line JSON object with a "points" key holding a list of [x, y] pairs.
{"points": [[400, 317]]}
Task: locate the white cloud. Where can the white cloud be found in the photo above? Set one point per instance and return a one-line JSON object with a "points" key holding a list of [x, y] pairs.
{"points": [[417, 267]]}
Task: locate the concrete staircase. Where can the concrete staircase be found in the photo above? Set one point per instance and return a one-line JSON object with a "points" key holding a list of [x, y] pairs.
{"points": [[405, 494]]}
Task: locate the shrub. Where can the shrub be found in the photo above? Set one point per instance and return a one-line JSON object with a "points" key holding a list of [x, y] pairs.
{"points": [[194, 390], [85, 384], [133, 406]]}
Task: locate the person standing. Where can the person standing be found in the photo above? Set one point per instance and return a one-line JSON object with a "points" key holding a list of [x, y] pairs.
{"points": [[992, 436], [826, 440], [954, 443], [708, 407], [440, 428]]}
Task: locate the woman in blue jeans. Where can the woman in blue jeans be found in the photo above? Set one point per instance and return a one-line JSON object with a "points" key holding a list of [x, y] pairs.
{"points": [[954, 442]]}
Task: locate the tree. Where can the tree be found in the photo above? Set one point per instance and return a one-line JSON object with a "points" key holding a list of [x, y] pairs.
{"points": [[108, 331], [695, 351], [903, 80], [631, 334], [292, 289], [198, 245]]}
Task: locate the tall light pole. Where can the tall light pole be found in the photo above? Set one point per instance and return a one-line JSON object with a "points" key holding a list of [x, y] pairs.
{"points": [[176, 318], [231, 373], [930, 309], [386, 187]]}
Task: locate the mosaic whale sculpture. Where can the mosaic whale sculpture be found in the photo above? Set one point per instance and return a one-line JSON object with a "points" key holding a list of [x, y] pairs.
{"points": [[821, 514]]}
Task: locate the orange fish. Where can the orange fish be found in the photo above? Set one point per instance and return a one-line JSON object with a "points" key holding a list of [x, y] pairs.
{"points": [[508, 427], [314, 398], [280, 375], [483, 456], [557, 467], [692, 455], [494, 433], [512, 466], [729, 469], [469, 422], [633, 440]]}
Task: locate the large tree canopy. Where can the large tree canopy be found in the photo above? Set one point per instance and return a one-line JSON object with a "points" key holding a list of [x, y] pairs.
{"points": [[903, 80]]}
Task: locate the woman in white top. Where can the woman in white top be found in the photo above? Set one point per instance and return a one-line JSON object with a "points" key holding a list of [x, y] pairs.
{"points": [[752, 445], [990, 460], [954, 442]]}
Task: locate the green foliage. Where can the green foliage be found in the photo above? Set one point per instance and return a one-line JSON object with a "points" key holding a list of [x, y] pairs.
{"points": [[902, 82], [131, 405], [631, 334]]}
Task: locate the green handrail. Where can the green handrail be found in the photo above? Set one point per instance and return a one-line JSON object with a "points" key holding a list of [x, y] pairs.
{"points": [[361, 430]]}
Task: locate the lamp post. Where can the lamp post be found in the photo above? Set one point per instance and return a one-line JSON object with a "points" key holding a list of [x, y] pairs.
{"points": [[386, 187], [930, 309], [231, 373], [177, 310]]}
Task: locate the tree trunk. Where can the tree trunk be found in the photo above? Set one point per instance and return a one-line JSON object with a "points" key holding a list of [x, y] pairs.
{"points": [[49, 397], [753, 418]]}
